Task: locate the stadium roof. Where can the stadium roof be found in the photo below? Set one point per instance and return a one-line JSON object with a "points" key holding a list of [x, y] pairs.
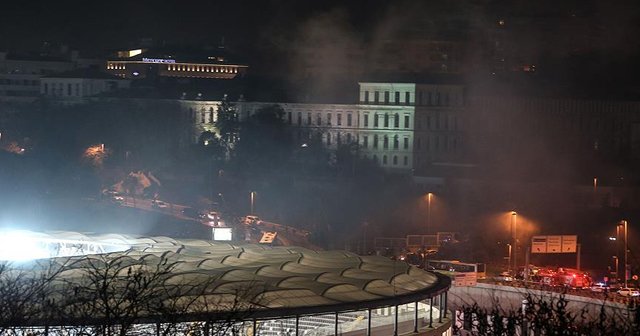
{"points": [[268, 281]]}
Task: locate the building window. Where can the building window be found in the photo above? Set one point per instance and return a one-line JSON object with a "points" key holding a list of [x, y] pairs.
{"points": [[365, 141], [329, 119], [289, 119], [428, 122], [339, 119], [396, 121], [437, 144], [455, 123], [375, 141], [406, 161], [446, 122], [376, 97], [328, 139], [299, 118], [211, 115], [407, 98], [366, 120], [395, 160], [437, 120], [384, 159], [385, 143], [386, 120], [366, 96], [406, 121], [397, 101], [319, 119], [386, 97], [349, 119], [437, 98], [396, 142], [202, 116], [406, 143], [375, 120], [308, 118], [429, 98]]}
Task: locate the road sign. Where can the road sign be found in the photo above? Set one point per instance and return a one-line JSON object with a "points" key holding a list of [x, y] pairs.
{"points": [[268, 237], [554, 244], [539, 244], [569, 244]]}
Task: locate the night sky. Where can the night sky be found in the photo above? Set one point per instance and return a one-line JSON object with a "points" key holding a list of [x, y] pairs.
{"points": [[593, 41]]}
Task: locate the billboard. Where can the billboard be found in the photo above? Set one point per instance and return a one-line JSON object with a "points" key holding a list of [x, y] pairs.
{"points": [[554, 244]]}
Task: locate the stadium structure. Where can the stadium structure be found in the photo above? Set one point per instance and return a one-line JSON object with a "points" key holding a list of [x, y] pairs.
{"points": [[80, 284]]}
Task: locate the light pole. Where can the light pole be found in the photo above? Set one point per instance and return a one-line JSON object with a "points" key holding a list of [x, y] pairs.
{"points": [[253, 197], [616, 263], [626, 248], [514, 226], [509, 259], [429, 197]]}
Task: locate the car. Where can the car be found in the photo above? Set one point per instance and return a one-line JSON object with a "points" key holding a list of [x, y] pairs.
{"points": [[117, 199], [250, 219], [600, 288], [212, 215], [632, 292], [504, 277], [159, 204]]}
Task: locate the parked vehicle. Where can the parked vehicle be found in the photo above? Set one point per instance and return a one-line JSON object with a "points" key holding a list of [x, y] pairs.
{"points": [[250, 219], [630, 292]]}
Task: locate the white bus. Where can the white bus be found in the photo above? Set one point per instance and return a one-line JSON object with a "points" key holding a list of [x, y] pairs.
{"points": [[462, 274]]}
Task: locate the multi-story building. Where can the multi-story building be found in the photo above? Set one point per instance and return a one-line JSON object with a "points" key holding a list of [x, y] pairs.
{"points": [[400, 126], [20, 74], [80, 83], [145, 63]]}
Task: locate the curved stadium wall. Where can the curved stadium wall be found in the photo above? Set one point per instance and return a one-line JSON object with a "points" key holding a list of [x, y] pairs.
{"points": [[108, 284]]}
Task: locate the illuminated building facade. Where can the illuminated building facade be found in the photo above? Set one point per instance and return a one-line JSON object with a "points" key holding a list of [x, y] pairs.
{"points": [[141, 63], [397, 125]]}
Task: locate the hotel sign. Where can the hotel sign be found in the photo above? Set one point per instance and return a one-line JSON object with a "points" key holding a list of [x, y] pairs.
{"points": [[158, 60], [554, 244]]}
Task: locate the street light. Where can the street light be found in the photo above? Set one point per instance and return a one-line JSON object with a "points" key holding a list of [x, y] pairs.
{"points": [[514, 227], [429, 197], [253, 197]]}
